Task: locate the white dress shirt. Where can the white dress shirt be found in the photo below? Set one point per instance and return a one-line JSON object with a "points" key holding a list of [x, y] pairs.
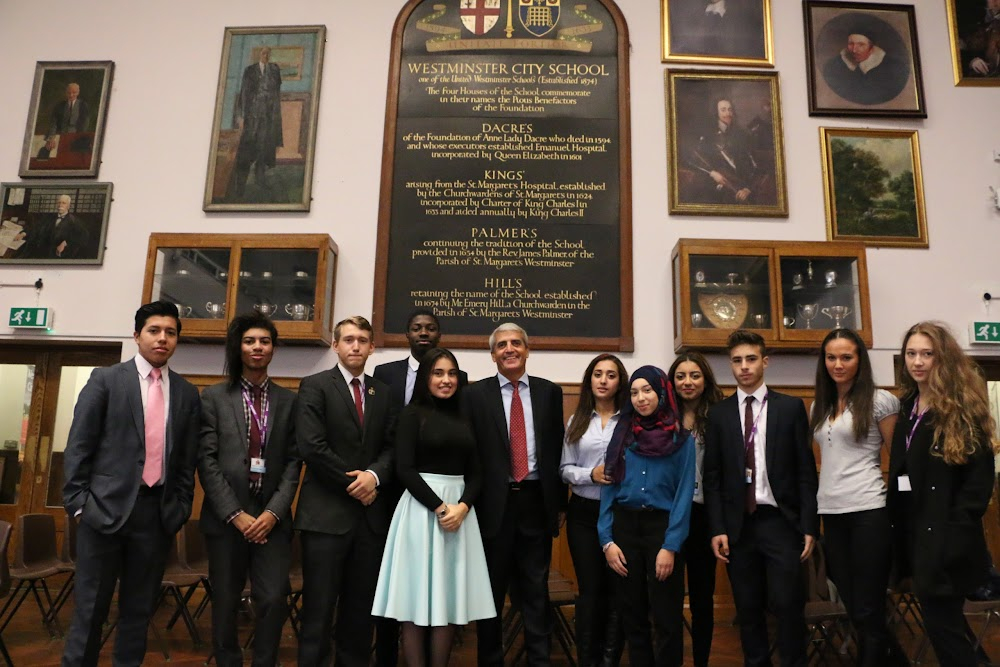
{"points": [[524, 391], [762, 487]]}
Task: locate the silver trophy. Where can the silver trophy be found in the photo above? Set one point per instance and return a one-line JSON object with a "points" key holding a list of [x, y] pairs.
{"points": [[788, 321], [797, 281], [837, 314], [732, 278], [215, 310], [265, 308], [808, 312], [298, 311], [831, 279], [699, 278], [696, 319], [183, 311], [760, 320]]}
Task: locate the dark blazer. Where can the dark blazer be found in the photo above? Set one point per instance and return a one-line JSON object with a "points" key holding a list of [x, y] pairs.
{"points": [[224, 461], [107, 449], [791, 467], [939, 524], [332, 442], [60, 121], [483, 407], [394, 375]]}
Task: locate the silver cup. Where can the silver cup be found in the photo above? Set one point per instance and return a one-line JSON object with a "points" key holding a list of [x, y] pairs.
{"points": [[699, 277], [215, 310], [732, 278], [298, 311], [837, 314], [797, 281], [696, 319], [760, 320], [789, 321], [183, 311], [831, 278], [265, 308], [808, 312]]}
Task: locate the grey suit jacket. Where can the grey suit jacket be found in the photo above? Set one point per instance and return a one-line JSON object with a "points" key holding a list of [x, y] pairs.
{"points": [[224, 461], [332, 442], [107, 449]]}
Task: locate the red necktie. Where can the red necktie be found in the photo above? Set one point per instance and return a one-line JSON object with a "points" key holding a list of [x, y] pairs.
{"points": [[152, 469], [751, 499], [518, 437], [356, 385], [256, 437]]}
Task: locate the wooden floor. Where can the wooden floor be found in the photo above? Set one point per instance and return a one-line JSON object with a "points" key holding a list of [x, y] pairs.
{"points": [[30, 644]]}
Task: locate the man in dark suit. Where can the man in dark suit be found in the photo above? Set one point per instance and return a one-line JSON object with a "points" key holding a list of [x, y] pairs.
{"points": [[423, 332], [344, 435], [249, 470], [70, 115], [59, 235], [129, 470], [257, 114], [730, 28], [518, 423], [760, 493]]}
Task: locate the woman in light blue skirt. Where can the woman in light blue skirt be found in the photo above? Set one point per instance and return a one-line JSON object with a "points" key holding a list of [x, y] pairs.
{"points": [[433, 573]]}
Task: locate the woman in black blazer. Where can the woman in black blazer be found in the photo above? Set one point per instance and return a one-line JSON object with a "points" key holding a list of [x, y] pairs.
{"points": [[940, 481]]}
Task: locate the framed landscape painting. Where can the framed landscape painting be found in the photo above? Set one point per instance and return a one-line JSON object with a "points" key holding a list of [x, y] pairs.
{"points": [[264, 130], [66, 118], [873, 187]]}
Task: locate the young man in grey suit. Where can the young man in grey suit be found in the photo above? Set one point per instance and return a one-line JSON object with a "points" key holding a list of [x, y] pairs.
{"points": [[518, 423], [344, 435], [129, 470], [249, 470]]}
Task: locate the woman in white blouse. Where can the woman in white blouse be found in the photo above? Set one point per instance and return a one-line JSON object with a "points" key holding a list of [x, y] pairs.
{"points": [[851, 420], [602, 393]]}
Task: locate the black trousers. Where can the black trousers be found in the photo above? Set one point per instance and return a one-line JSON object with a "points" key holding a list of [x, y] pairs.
{"points": [[517, 557], [594, 578], [639, 534], [947, 629], [857, 547], [134, 557], [764, 571], [230, 559], [339, 572], [701, 563]]}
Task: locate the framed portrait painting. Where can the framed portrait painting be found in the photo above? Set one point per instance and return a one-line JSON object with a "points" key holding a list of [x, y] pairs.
{"points": [[66, 118], [724, 143], [862, 59], [717, 32], [873, 188], [264, 130], [53, 223], [974, 26]]}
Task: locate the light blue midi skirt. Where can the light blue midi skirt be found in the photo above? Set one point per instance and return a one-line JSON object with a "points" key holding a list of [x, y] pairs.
{"points": [[431, 577]]}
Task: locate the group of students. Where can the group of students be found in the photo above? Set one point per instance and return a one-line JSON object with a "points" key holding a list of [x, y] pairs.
{"points": [[424, 502], [668, 475]]}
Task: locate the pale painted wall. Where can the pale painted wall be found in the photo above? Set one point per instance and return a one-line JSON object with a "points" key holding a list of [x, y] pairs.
{"points": [[167, 59]]}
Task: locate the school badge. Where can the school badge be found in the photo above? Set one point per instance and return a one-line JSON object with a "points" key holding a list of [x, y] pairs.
{"points": [[538, 17], [479, 16]]}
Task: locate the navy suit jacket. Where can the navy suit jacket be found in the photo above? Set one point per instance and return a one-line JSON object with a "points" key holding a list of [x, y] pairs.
{"points": [[106, 450]]}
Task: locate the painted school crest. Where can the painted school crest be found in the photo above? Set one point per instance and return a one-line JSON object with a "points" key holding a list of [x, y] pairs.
{"points": [[479, 16], [538, 16]]}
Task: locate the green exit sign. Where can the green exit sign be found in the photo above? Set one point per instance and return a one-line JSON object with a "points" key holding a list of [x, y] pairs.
{"points": [[30, 318], [986, 332]]}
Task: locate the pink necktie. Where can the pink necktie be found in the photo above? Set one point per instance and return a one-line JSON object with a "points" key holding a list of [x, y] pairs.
{"points": [[152, 470], [518, 437]]}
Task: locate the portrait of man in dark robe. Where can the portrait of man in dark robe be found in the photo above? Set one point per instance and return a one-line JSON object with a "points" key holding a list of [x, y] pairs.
{"points": [[257, 114]]}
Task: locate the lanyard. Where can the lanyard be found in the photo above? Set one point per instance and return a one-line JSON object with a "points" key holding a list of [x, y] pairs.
{"points": [[748, 443], [261, 419], [920, 417]]}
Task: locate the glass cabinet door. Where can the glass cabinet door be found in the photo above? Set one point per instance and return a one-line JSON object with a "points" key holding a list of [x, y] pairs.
{"points": [[820, 293], [730, 291], [280, 283], [196, 279]]}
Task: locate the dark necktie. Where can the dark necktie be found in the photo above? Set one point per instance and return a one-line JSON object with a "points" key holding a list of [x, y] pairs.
{"points": [[518, 437], [748, 434], [356, 386], [256, 437]]}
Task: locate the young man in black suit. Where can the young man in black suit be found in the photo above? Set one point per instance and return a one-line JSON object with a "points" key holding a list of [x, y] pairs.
{"points": [[249, 470], [518, 423], [344, 436], [760, 492], [129, 469], [423, 332]]}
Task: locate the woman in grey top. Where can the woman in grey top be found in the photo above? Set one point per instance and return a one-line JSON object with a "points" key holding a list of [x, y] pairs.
{"points": [[602, 393], [851, 419]]}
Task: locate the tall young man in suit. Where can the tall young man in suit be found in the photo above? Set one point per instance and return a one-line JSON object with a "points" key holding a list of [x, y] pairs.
{"points": [[249, 470], [344, 436], [423, 332], [518, 423], [760, 492], [129, 469]]}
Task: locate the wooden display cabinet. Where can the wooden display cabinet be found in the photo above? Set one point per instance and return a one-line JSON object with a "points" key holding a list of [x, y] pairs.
{"points": [[212, 277], [790, 292]]}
